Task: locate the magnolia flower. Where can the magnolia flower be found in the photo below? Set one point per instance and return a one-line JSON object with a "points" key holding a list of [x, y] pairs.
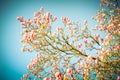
{"points": [[54, 19], [24, 22], [118, 78], [108, 38], [89, 58], [69, 28], [47, 16], [96, 61], [64, 19], [26, 76], [96, 36], [85, 41], [69, 71], [79, 45], [59, 28], [42, 8], [37, 13], [58, 74], [118, 10], [85, 22], [46, 78], [20, 18]]}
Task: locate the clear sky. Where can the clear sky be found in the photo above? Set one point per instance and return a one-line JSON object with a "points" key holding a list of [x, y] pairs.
{"points": [[12, 61]]}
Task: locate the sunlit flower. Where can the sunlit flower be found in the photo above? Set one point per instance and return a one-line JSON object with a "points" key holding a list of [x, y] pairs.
{"points": [[118, 78], [54, 19], [20, 18], [108, 38], [69, 71], [89, 58], [59, 28], [85, 22], [24, 22], [118, 10], [58, 74], [85, 41], [47, 16], [79, 45], [26, 76], [96, 36], [96, 61], [42, 8], [46, 78], [37, 13], [64, 19]]}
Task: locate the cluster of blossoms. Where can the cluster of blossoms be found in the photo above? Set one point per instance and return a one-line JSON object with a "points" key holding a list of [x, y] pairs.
{"points": [[63, 54]]}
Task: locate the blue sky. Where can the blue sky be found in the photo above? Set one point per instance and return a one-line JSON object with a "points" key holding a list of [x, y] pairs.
{"points": [[12, 61]]}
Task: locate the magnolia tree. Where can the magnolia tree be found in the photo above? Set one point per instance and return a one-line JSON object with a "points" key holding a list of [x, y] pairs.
{"points": [[72, 51]]}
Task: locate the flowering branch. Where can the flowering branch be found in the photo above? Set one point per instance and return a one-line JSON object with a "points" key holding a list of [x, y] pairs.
{"points": [[61, 54]]}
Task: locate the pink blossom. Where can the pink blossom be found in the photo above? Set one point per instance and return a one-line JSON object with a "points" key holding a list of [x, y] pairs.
{"points": [[35, 19], [104, 50], [103, 15], [101, 22], [29, 50], [65, 19], [23, 49], [70, 71], [85, 22], [102, 0], [42, 8], [117, 47], [89, 57], [102, 28], [118, 10], [101, 57], [54, 18], [29, 21], [101, 5], [29, 66], [102, 40], [85, 41], [96, 36], [58, 74], [97, 52], [37, 13], [79, 45], [96, 61], [59, 28], [69, 23], [56, 67], [80, 65], [87, 36], [50, 78], [83, 74], [67, 58], [24, 23], [26, 76], [47, 16], [20, 18], [118, 78], [108, 37], [23, 26], [69, 27], [46, 78]]}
